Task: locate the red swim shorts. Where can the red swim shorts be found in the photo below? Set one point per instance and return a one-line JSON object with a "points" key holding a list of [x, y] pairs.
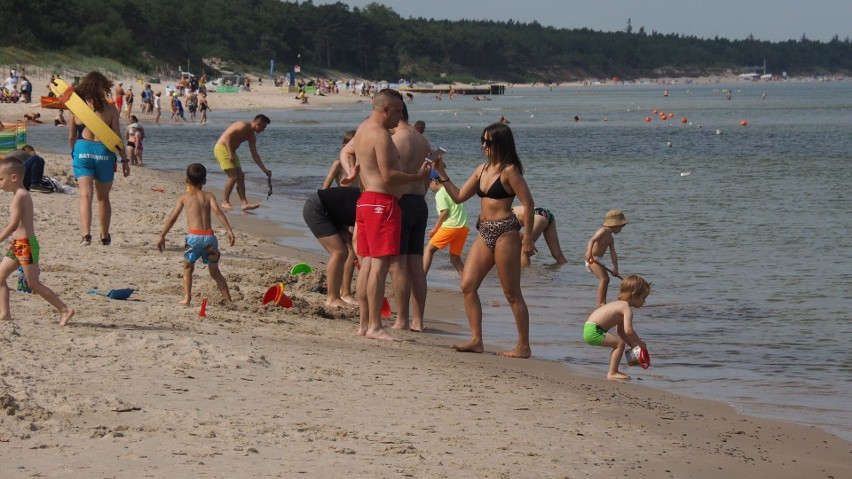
{"points": [[379, 223]]}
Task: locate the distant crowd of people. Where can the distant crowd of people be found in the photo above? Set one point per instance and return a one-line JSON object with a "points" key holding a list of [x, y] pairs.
{"points": [[16, 88]]}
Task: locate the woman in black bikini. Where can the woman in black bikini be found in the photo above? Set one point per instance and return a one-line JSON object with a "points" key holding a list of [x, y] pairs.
{"points": [[499, 241]]}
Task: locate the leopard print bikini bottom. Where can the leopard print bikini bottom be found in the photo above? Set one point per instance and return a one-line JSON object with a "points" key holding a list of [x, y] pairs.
{"points": [[492, 230]]}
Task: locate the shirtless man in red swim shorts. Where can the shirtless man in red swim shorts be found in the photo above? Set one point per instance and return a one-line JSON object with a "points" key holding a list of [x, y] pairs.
{"points": [[378, 218]]}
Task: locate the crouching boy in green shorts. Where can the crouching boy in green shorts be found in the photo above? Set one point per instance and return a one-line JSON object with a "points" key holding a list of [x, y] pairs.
{"points": [[618, 314], [201, 243], [24, 250]]}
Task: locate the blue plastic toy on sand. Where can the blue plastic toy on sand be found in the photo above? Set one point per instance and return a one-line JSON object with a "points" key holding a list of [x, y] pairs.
{"points": [[114, 293]]}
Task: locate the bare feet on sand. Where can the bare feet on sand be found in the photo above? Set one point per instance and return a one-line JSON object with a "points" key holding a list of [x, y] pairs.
{"points": [[518, 352], [186, 301], [418, 326], [66, 316], [350, 299], [400, 324], [380, 334], [250, 206], [619, 376], [226, 205], [339, 303], [472, 346], [361, 331]]}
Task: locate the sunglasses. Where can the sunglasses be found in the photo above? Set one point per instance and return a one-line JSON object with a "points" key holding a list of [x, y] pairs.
{"points": [[486, 141]]}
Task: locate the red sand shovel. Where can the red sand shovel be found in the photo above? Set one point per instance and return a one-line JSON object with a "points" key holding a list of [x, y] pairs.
{"points": [[644, 358]]}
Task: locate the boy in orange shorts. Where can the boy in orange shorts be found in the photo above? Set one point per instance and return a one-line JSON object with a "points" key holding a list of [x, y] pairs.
{"points": [[24, 250], [201, 242], [450, 229]]}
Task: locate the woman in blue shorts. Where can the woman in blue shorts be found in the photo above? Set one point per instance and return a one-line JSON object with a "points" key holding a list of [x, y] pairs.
{"points": [[94, 164]]}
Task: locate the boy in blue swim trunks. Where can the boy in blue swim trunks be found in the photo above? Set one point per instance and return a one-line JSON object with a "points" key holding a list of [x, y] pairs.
{"points": [[618, 314], [200, 241], [24, 250]]}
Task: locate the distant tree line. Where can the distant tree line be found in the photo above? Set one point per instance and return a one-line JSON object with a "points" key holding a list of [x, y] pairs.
{"points": [[375, 42]]}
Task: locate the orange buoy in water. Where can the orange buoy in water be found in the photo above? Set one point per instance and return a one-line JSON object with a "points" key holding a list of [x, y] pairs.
{"points": [[648, 119], [743, 123], [683, 119], [654, 111], [671, 115]]}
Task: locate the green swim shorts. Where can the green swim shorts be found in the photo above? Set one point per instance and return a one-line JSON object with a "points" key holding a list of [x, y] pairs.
{"points": [[24, 251], [593, 334]]}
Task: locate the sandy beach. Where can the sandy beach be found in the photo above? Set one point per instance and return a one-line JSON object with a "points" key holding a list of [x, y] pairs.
{"points": [[147, 388], [267, 96], [261, 97]]}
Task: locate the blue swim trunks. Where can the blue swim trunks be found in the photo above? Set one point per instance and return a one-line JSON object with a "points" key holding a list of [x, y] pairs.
{"points": [[93, 158], [201, 245]]}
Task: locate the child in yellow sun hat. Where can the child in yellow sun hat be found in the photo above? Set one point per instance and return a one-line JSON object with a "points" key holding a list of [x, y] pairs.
{"points": [[602, 240]]}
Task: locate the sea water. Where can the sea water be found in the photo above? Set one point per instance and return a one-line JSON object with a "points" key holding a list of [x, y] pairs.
{"points": [[744, 231]]}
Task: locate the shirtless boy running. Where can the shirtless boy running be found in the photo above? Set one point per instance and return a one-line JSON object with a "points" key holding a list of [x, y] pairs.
{"points": [[24, 250], [201, 243]]}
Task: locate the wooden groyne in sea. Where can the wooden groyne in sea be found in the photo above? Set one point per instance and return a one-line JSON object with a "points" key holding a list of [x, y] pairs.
{"points": [[466, 90]]}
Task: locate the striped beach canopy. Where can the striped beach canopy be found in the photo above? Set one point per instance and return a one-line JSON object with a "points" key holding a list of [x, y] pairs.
{"points": [[13, 137]]}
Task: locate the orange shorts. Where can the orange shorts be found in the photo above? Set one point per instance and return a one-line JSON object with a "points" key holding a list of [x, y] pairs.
{"points": [[24, 251], [455, 237], [379, 223]]}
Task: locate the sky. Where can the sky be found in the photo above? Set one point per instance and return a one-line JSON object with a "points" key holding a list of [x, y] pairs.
{"points": [[770, 20]]}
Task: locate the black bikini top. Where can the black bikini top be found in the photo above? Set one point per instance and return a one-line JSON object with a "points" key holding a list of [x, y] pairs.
{"points": [[495, 192], [80, 129]]}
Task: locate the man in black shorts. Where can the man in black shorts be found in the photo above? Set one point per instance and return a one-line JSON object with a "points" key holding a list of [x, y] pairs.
{"points": [[409, 278]]}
